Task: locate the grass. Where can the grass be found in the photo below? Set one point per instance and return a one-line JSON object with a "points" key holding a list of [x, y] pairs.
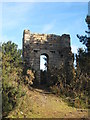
{"points": [[39, 105]]}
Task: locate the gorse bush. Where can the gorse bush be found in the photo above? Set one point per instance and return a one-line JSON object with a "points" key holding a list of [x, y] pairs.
{"points": [[12, 68], [13, 77], [29, 77]]}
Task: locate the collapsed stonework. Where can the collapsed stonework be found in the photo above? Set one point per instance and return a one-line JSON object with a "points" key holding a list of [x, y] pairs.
{"points": [[56, 47]]}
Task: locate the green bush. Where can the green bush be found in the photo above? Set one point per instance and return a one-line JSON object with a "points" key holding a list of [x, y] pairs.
{"points": [[11, 76]]}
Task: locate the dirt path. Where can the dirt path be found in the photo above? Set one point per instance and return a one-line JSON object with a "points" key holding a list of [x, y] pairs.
{"points": [[37, 104]]}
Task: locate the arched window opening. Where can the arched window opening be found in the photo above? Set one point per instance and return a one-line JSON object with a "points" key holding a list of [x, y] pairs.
{"points": [[43, 68], [43, 62]]}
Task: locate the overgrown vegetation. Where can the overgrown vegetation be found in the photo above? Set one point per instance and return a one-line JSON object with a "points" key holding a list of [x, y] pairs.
{"points": [[76, 93], [11, 76]]}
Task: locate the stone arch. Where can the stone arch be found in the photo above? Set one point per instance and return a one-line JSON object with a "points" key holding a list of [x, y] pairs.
{"points": [[46, 61], [44, 71]]}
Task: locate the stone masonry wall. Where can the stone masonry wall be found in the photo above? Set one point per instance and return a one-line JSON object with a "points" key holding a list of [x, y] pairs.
{"points": [[56, 47]]}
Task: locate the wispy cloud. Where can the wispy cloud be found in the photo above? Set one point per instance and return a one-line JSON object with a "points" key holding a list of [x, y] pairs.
{"points": [[17, 9], [44, 17], [6, 38], [47, 27], [15, 17], [15, 14]]}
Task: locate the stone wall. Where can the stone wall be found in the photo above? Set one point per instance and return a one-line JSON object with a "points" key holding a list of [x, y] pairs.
{"points": [[56, 47]]}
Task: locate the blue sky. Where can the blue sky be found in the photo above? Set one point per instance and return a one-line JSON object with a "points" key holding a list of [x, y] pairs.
{"points": [[44, 17]]}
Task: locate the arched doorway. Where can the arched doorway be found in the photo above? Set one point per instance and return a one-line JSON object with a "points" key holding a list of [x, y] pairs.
{"points": [[44, 59]]}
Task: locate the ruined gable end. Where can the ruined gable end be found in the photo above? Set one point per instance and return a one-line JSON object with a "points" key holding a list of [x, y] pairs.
{"points": [[56, 47]]}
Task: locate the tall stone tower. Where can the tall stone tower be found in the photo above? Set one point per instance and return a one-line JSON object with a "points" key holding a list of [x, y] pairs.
{"points": [[56, 48]]}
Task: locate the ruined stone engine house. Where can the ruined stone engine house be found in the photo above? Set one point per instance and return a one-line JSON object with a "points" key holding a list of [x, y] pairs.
{"points": [[57, 49]]}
